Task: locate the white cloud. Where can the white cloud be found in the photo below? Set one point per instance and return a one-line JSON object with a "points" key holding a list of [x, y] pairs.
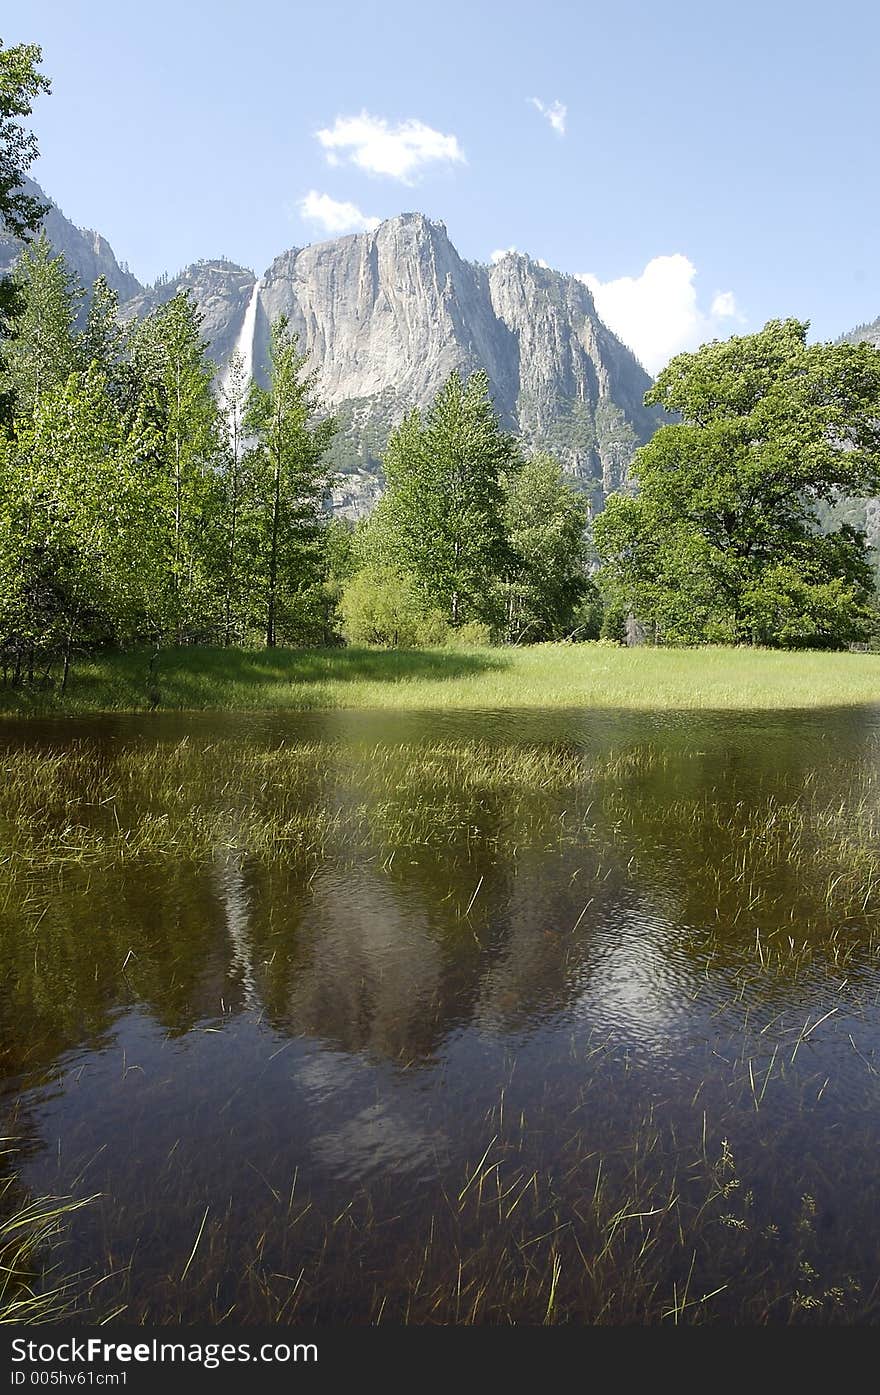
{"points": [[658, 313], [555, 114], [334, 216], [501, 252], [724, 305], [401, 152]]}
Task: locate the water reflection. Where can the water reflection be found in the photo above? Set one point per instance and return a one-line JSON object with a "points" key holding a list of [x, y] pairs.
{"points": [[334, 957]]}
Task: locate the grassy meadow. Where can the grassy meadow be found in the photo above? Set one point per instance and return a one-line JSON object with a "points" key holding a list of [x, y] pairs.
{"points": [[545, 675]]}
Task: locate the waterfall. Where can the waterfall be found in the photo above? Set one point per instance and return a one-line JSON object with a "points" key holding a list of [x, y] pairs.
{"points": [[244, 343]]}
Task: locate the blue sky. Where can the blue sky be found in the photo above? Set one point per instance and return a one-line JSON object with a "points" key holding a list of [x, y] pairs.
{"points": [[708, 166]]}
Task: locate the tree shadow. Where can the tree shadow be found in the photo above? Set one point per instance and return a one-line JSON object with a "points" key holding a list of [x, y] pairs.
{"points": [[205, 677]]}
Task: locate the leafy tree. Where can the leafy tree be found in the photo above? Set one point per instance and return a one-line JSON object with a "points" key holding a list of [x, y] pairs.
{"points": [[286, 525], [173, 377], [103, 341], [724, 518], [342, 564], [20, 84], [441, 520], [383, 607], [20, 214], [75, 516], [235, 483], [41, 350], [547, 525]]}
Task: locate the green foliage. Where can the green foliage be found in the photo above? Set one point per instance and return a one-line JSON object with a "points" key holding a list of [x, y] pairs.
{"points": [[725, 516], [589, 614], [286, 525], [613, 625], [173, 377], [20, 214], [41, 348], [75, 560], [788, 610], [441, 521], [386, 608], [20, 84], [547, 527]]}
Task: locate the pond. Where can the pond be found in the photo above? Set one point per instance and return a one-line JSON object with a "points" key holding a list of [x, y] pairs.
{"points": [[448, 1017]]}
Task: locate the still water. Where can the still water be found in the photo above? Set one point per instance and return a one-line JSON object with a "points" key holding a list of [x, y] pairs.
{"points": [[563, 1017]]}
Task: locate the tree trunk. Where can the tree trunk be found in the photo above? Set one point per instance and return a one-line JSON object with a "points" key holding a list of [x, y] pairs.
{"points": [[273, 559]]}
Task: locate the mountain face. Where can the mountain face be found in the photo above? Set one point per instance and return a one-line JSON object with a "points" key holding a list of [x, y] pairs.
{"points": [[864, 334], [86, 252], [386, 316]]}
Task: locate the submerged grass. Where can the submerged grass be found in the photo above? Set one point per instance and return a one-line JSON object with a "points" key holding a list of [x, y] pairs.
{"points": [[784, 861], [32, 1290], [627, 1234], [567, 1210], [545, 675]]}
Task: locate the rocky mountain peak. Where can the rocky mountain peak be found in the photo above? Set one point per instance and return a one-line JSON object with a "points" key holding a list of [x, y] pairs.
{"points": [[87, 253], [386, 315]]}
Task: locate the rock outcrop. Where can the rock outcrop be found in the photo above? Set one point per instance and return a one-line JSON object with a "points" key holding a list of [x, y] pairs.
{"points": [[385, 316], [86, 252]]}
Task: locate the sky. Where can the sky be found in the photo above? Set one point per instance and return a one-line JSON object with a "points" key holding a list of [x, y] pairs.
{"points": [[704, 167]]}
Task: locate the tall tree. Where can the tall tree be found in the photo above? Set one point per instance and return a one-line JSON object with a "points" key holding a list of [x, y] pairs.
{"points": [[547, 524], [234, 399], [290, 479], [20, 84], [76, 552], [20, 214], [102, 340], [42, 348], [721, 543], [173, 376], [441, 520]]}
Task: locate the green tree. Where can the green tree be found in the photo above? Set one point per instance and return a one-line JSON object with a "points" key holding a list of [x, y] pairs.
{"points": [[547, 525], [173, 395], [75, 564], [383, 607], [41, 348], [441, 520], [103, 341], [286, 524], [724, 517], [234, 399], [20, 84], [20, 214]]}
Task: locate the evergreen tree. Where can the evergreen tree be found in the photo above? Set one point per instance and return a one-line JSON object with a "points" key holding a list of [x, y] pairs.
{"points": [[286, 525]]}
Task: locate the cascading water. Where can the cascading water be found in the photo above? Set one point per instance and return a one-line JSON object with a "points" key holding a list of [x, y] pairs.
{"points": [[244, 344]]}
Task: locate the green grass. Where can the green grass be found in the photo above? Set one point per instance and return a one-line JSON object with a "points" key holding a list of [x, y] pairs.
{"points": [[31, 1289], [547, 675]]}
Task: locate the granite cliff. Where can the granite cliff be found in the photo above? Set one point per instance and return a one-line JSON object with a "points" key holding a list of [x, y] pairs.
{"points": [[386, 315]]}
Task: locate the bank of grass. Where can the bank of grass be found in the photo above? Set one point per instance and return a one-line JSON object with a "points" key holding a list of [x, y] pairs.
{"points": [[545, 675]]}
